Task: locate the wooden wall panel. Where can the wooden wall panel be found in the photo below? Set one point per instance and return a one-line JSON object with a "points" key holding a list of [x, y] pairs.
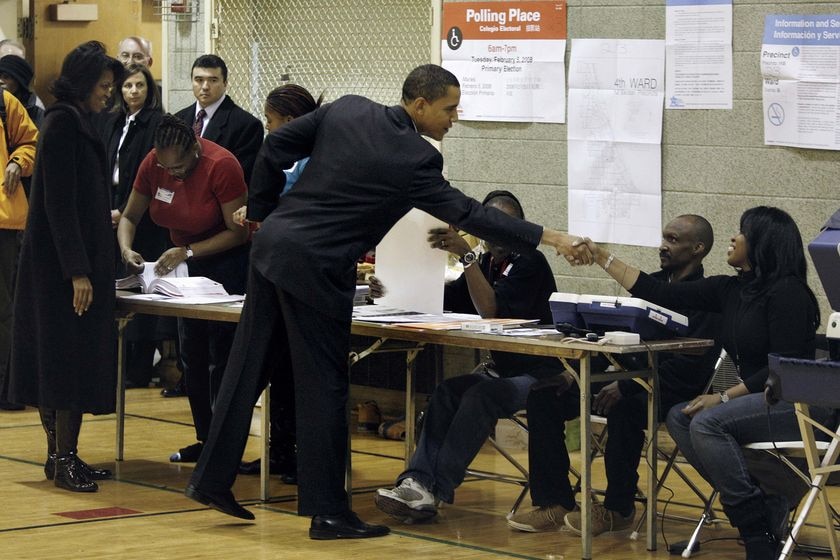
{"points": [[117, 19]]}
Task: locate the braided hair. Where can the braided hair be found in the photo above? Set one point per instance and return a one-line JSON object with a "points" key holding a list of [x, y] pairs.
{"points": [[172, 131], [292, 100]]}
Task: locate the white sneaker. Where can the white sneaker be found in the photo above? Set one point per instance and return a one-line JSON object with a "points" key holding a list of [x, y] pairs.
{"points": [[408, 502]]}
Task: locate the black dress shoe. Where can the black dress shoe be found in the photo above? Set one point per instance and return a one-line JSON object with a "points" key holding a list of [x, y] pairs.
{"points": [[179, 390], [345, 525], [287, 473], [174, 392], [223, 502], [69, 475]]}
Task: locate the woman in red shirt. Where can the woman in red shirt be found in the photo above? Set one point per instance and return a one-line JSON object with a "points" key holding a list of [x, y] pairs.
{"points": [[192, 186]]}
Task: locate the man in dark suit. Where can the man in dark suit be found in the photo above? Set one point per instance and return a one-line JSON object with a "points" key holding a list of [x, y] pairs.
{"points": [[369, 166], [215, 117]]}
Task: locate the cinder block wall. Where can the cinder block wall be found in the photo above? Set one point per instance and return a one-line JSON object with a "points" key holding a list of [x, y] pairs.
{"points": [[714, 163]]}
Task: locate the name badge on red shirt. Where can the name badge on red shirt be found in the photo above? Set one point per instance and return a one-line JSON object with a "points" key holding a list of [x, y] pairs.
{"points": [[164, 195]]}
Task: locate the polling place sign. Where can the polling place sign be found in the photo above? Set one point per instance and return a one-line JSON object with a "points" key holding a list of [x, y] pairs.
{"points": [[509, 58]]}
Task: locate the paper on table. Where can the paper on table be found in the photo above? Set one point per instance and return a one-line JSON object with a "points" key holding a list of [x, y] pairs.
{"points": [[411, 271], [186, 300]]}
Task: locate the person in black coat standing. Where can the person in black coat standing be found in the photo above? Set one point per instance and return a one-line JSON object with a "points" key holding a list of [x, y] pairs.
{"points": [[215, 117], [369, 166], [64, 337], [128, 133]]}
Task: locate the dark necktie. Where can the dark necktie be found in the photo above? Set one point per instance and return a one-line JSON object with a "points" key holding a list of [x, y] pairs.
{"points": [[199, 121]]}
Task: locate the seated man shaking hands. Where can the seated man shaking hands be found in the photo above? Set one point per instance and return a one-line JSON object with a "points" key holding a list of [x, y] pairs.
{"points": [[686, 240]]}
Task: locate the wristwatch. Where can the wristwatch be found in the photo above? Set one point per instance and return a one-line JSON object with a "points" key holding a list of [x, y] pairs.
{"points": [[189, 252], [468, 258], [724, 398]]}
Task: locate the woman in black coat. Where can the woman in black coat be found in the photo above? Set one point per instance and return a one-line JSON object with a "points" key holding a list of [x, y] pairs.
{"points": [[127, 133], [64, 338]]}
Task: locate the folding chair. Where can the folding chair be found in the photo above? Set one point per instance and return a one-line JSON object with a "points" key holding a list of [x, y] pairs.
{"points": [[805, 383], [724, 376]]}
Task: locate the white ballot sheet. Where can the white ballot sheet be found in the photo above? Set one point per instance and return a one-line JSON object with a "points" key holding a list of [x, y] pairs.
{"points": [[616, 95], [411, 271], [698, 61], [800, 67]]}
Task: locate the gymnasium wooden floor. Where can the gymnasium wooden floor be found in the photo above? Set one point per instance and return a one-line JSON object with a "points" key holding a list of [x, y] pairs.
{"points": [[145, 515]]}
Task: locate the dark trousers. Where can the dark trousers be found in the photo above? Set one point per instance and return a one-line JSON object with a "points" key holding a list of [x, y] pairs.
{"points": [[278, 336], [549, 458], [205, 345], [9, 251], [283, 428]]}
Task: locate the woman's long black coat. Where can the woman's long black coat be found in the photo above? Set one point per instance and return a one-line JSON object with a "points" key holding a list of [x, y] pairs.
{"points": [[59, 359]]}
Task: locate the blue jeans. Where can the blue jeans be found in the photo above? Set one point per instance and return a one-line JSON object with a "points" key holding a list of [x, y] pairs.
{"points": [[461, 415], [712, 440]]}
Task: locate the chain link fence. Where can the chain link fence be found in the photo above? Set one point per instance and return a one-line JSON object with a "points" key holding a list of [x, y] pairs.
{"points": [[364, 47]]}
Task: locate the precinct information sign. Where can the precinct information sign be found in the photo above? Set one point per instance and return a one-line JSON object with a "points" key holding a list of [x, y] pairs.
{"points": [[509, 58], [800, 69]]}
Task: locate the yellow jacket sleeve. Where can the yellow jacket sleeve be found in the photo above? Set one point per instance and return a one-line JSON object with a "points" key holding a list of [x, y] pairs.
{"points": [[22, 134]]}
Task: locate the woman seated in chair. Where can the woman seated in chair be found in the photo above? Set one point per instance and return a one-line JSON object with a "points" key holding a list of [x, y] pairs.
{"points": [[767, 307]]}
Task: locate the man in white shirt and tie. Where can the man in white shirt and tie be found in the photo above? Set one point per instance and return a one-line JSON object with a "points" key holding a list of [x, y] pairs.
{"points": [[215, 117]]}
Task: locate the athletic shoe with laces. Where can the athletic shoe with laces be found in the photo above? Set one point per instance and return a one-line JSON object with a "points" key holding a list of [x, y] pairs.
{"points": [[408, 502], [539, 519], [603, 520]]}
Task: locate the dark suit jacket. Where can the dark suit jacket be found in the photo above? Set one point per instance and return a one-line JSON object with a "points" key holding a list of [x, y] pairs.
{"points": [[368, 168], [232, 128], [150, 240]]}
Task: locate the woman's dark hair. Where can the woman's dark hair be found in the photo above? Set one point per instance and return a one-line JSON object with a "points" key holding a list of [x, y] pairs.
{"points": [[81, 70], [172, 131], [774, 250], [292, 100], [152, 95], [508, 198]]}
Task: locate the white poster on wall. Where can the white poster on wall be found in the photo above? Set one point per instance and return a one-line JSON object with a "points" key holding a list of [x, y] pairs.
{"points": [[698, 54], [800, 68], [509, 58], [616, 95]]}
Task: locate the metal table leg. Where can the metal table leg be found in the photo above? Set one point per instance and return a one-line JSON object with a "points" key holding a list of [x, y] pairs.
{"points": [[265, 439], [122, 322]]}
